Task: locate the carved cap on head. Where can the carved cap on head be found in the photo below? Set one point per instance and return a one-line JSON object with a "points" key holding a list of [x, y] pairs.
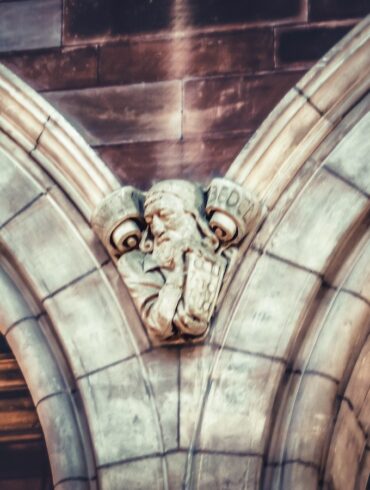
{"points": [[191, 195]]}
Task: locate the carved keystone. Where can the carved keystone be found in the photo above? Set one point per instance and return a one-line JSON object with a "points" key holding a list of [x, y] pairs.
{"points": [[173, 246]]}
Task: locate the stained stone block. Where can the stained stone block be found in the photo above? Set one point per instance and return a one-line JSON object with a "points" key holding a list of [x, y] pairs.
{"points": [[334, 9], [307, 44], [176, 467], [270, 311], [316, 224], [135, 475], [123, 114], [195, 158], [118, 404], [63, 442], [80, 312], [195, 365], [55, 69], [232, 103], [238, 404], [30, 24], [210, 54], [111, 19]]}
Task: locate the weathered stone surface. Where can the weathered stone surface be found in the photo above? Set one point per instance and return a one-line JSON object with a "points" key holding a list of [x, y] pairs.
{"points": [[195, 365], [321, 217], [332, 9], [17, 189], [270, 311], [163, 368], [53, 70], [46, 261], [346, 449], [238, 403], [234, 472], [311, 412], [30, 25], [111, 19], [232, 103], [63, 444], [118, 402], [357, 391], [210, 54], [29, 345], [135, 475], [193, 158], [80, 311], [340, 324], [306, 43], [350, 158], [120, 114]]}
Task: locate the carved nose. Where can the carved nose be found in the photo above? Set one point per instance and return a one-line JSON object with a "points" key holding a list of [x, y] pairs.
{"points": [[157, 225]]}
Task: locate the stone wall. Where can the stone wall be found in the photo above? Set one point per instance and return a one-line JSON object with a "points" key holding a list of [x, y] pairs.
{"points": [[168, 88]]}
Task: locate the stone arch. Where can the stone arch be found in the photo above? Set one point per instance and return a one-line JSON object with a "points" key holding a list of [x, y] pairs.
{"points": [[279, 390]]}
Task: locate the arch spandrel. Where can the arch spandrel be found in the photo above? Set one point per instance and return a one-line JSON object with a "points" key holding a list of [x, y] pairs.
{"points": [[271, 397]]}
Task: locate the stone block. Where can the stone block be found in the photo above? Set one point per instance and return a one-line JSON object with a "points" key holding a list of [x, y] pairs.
{"points": [[38, 238], [232, 103], [314, 227], [17, 189], [195, 367], [15, 309], [238, 404], [63, 442], [307, 43], [334, 9], [163, 368], [346, 449], [30, 24], [350, 158], [110, 19], [268, 317], [53, 70], [123, 114], [312, 413], [223, 471], [79, 314], [121, 413], [299, 476], [198, 159], [340, 325], [243, 51], [29, 345], [134, 475]]}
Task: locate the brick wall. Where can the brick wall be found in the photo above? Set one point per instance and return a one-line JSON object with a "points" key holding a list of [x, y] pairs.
{"points": [[168, 88]]}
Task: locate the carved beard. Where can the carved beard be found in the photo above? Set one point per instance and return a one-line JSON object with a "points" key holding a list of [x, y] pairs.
{"points": [[166, 252]]}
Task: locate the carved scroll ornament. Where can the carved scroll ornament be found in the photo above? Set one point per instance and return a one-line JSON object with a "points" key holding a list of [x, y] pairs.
{"points": [[175, 244]]}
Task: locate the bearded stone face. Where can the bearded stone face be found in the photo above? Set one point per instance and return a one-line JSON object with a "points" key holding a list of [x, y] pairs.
{"points": [[173, 228]]}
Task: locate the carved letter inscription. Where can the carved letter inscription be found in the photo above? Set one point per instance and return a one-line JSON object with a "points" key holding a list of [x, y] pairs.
{"points": [[174, 245]]}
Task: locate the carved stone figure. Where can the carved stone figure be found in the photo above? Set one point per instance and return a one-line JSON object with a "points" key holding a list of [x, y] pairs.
{"points": [[174, 245]]}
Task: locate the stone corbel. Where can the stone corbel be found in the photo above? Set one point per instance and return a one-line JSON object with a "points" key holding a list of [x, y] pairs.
{"points": [[174, 246]]}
